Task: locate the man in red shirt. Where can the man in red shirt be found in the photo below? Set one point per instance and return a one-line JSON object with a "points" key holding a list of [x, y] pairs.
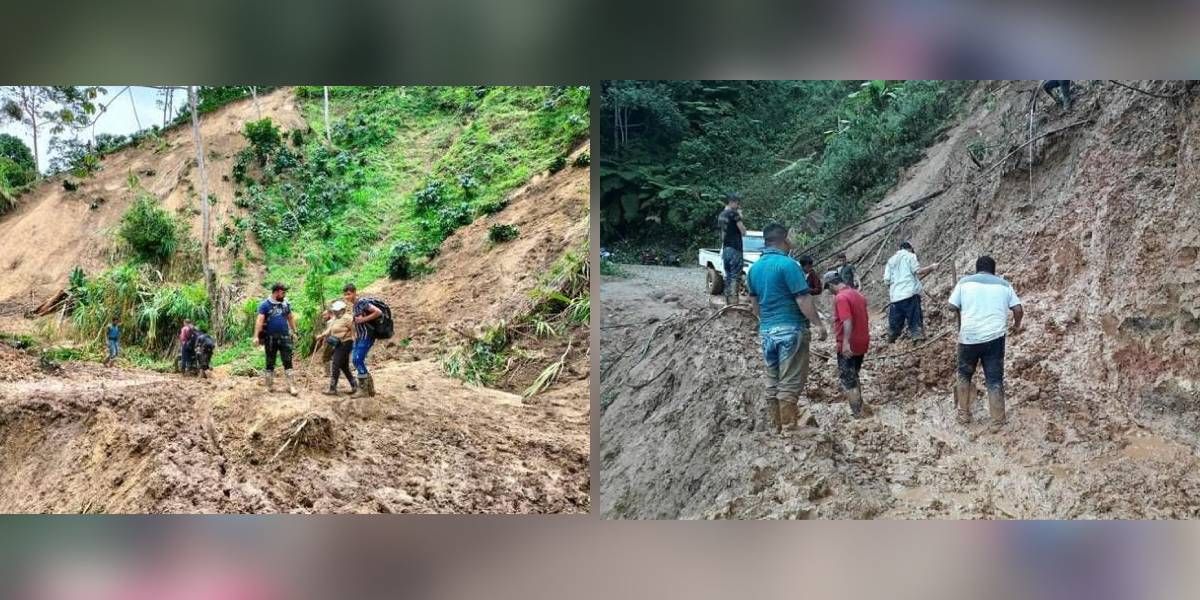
{"points": [[852, 328]]}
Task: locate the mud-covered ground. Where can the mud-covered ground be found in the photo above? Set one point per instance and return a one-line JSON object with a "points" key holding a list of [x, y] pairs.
{"points": [[684, 428], [85, 439]]}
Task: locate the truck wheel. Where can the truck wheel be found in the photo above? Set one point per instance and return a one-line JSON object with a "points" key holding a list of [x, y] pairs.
{"points": [[714, 281]]}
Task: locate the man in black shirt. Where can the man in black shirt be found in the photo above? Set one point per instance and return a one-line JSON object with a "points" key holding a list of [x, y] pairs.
{"points": [[732, 229]]}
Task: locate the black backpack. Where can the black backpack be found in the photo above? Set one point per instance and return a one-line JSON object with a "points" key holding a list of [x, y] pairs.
{"points": [[383, 327]]}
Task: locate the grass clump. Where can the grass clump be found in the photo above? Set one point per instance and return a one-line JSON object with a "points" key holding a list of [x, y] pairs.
{"points": [[501, 233]]}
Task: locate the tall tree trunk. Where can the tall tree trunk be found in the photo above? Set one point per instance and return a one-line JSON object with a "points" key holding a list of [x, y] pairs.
{"points": [[208, 278], [129, 90], [328, 137], [257, 109]]}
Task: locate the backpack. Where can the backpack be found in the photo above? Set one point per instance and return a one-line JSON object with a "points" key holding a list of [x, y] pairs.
{"points": [[383, 327]]}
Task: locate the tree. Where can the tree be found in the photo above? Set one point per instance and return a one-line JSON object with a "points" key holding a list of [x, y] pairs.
{"points": [[204, 217], [55, 107], [12, 148], [328, 139]]}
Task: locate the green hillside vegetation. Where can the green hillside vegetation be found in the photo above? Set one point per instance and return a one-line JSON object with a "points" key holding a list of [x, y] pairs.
{"points": [[812, 154], [403, 168]]}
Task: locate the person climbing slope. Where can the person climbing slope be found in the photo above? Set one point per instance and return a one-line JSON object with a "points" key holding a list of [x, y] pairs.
{"points": [[729, 222], [114, 340], [364, 337], [273, 330], [1064, 91], [780, 296], [851, 326], [339, 335], [982, 302], [902, 274]]}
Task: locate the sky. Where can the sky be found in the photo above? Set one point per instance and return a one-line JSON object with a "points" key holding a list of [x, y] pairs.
{"points": [[119, 119]]}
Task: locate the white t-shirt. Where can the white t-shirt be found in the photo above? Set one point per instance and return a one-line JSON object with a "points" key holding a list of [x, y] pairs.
{"points": [[901, 276], [983, 300]]}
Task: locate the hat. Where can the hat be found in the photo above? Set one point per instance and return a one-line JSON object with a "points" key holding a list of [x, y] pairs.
{"points": [[278, 286], [831, 278], [337, 305]]}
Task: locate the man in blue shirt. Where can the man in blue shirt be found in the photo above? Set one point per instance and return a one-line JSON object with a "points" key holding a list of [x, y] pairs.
{"points": [[114, 340], [364, 337], [780, 296], [273, 330]]}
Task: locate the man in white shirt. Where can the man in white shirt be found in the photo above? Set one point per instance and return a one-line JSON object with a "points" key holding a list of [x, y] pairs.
{"points": [[982, 302], [902, 274]]}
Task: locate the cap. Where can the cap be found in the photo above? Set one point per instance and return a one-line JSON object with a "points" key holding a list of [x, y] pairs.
{"points": [[337, 305], [831, 278], [278, 286]]}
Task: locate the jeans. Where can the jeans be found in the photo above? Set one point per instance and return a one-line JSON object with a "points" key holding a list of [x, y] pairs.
{"points": [[186, 358], [907, 310], [731, 261], [785, 350], [113, 346], [362, 346], [278, 344], [991, 354]]}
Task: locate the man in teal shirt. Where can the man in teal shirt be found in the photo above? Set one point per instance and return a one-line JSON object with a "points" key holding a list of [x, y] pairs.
{"points": [[780, 296]]}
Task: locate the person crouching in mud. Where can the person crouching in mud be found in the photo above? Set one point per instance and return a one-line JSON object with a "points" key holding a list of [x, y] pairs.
{"points": [[273, 330], [364, 337], [204, 345], [780, 296]]}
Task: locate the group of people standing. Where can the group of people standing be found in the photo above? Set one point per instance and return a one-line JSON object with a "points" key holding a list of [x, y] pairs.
{"points": [[347, 337], [782, 292]]}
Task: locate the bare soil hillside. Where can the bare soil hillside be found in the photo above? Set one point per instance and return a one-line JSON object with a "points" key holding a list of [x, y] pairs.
{"points": [[1104, 406], [81, 438], [54, 230]]}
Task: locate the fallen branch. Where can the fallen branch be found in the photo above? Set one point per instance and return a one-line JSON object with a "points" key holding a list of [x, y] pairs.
{"points": [[921, 200], [1031, 140], [1141, 91], [868, 234], [912, 350]]}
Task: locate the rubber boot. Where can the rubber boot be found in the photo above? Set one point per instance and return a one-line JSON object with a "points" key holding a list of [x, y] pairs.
{"points": [[996, 407], [361, 389], [291, 381], [773, 411], [787, 415], [269, 380], [858, 408], [962, 401], [332, 391], [370, 386]]}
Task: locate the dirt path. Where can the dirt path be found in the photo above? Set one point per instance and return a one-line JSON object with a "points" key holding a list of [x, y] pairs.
{"points": [[95, 440], [684, 434]]}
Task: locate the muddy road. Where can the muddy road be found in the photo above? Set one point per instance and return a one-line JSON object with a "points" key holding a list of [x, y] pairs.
{"points": [[87, 439], [684, 430]]}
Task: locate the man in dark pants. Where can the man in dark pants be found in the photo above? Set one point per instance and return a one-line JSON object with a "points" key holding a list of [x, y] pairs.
{"points": [[273, 330], [732, 229], [1064, 91], [982, 302], [852, 330], [903, 275]]}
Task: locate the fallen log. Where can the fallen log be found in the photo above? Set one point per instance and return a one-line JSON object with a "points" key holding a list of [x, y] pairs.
{"points": [[820, 242], [52, 304]]}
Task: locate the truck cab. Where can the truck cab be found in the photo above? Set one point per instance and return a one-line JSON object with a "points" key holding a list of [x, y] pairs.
{"points": [[710, 259]]}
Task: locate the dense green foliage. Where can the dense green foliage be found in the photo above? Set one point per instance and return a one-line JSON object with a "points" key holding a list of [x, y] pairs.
{"points": [[150, 232], [501, 233], [812, 154], [151, 312], [17, 169], [407, 167]]}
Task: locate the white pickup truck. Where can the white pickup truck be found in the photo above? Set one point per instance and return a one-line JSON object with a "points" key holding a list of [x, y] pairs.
{"points": [[710, 258]]}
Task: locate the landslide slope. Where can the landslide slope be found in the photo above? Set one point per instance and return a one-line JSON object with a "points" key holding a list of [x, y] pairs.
{"points": [[1095, 224]]}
